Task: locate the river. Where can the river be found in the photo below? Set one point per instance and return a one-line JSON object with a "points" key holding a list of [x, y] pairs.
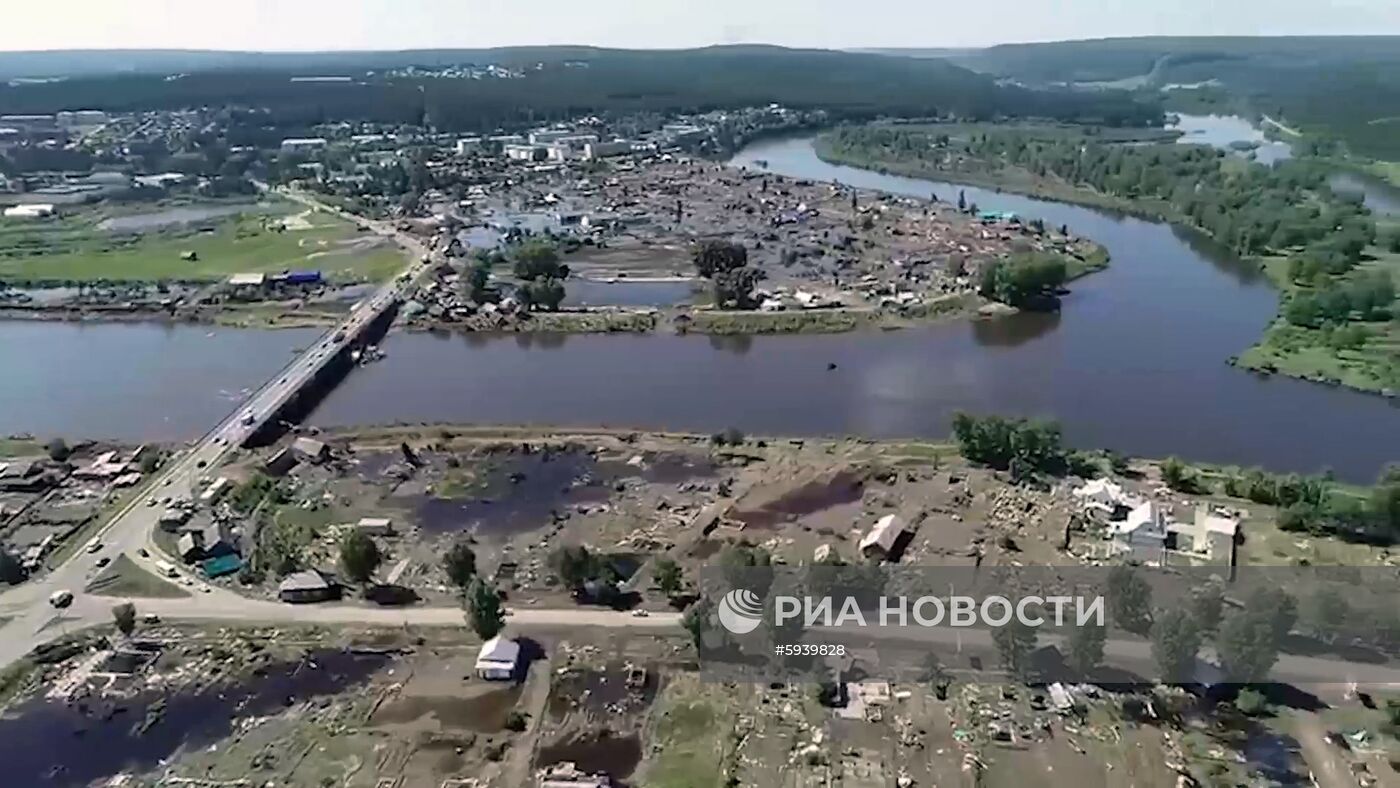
{"points": [[1136, 361]]}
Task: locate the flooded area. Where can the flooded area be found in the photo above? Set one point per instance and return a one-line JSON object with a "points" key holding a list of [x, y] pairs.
{"points": [[1381, 197], [1232, 133], [38, 738], [1135, 361], [145, 222], [588, 292]]}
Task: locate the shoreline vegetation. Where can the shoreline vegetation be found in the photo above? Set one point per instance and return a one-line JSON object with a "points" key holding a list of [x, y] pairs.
{"points": [[1315, 246]]}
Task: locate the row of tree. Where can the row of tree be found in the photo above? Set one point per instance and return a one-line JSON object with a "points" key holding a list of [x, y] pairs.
{"points": [[1252, 208], [1367, 296]]}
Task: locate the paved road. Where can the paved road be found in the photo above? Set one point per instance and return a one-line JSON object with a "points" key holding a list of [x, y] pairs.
{"points": [[129, 530]]}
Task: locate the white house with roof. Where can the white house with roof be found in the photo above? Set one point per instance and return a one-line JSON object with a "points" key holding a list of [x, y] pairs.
{"points": [[498, 659]]}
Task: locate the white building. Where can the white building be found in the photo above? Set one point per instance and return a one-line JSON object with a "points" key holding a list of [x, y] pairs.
{"points": [[546, 136], [303, 144], [1144, 531], [516, 152], [468, 145], [498, 659], [32, 211], [375, 526], [1209, 534], [599, 150]]}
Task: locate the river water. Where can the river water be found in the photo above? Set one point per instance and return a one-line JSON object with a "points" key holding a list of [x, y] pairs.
{"points": [[1136, 361]]}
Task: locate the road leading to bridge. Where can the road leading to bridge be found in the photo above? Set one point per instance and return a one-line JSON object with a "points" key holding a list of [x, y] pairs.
{"points": [[130, 530]]}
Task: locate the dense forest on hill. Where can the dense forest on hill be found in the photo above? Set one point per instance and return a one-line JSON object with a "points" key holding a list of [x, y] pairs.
{"points": [[848, 84], [1346, 87]]}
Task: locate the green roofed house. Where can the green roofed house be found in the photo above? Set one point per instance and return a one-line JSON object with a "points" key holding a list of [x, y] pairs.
{"points": [[223, 565]]}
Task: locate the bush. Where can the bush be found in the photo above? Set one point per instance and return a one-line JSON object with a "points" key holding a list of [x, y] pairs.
{"points": [[1251, 703], [516, 721]]}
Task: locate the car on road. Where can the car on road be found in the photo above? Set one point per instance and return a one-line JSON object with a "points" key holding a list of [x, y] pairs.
{"points": [[152, 501], [150, 618], [94, 545], [103, 561], [639, 614], [61, 598], [143, 552]]}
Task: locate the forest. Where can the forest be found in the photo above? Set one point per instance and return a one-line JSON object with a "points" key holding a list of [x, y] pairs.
{"points": [[1346, 88], [1250, 207], [850, 85]]}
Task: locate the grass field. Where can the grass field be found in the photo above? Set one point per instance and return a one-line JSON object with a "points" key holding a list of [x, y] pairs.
{"points": [[19, 447], [1304, 353], [123, 578], [691, 735], [74, 248]]}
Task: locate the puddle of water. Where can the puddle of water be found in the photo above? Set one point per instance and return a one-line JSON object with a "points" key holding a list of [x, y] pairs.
{"points": [[520, 492], [1274, 757], [142, 222], [616, 756], [844, 487], [47, 743], [484, 713]]}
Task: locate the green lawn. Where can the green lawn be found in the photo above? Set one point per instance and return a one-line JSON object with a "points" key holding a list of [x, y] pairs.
{"points": [[123, 578], [19, 447], [74, 248], [1303, 352], [691, 735]]}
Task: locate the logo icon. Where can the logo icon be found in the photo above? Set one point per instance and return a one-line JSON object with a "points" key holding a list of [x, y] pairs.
{"points": [[740, 611]]}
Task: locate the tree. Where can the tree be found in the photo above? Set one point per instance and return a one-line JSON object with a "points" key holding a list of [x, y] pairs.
{"points": [[546, 294], [737, 564], [668, 576], [484, 610], [1207, 603], [1277, 607], [1015, 641], [359, 556], [478, 280], [573, 565], [459, 562], [1175, 641], [1129, 600], [58, 450], [1177, 476], [1325, 614], [124, 616], [696, 620], [735, 288], [716, 257], [937, 676], [539, 260], [1025, 280], [1247, 645], [1086, 648]]}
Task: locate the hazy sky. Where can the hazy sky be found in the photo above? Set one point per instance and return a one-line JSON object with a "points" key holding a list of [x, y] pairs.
{"points": [[403, 24]]}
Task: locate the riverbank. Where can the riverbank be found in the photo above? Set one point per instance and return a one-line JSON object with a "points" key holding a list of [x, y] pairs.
{"points": [[1363, 358]]}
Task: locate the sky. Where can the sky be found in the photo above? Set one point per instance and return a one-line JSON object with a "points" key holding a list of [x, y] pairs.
{"points": [[836, 24]]}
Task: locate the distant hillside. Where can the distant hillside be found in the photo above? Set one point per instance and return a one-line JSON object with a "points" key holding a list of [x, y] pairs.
{"points": [[572, 80], [1345, 86]]}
